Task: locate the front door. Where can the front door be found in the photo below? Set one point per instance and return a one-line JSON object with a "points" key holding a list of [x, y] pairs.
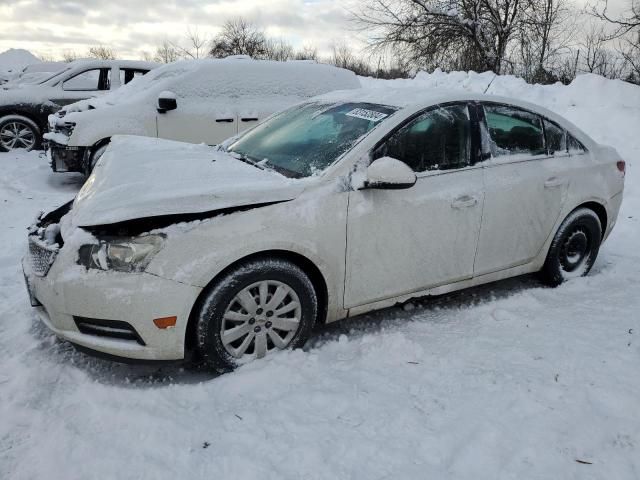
{"points": [[404, 241], [198, 120], [87, 84]]}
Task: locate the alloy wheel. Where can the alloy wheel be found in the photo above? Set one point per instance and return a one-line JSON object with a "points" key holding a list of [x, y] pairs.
{"points": [[260, 318], [16, 134]]}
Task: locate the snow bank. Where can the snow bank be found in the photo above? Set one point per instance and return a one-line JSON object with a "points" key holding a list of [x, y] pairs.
{"points": [[586, 90], [16, 59]]}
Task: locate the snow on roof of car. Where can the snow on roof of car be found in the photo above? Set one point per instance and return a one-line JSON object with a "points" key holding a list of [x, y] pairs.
{"points": [[403, 97]]}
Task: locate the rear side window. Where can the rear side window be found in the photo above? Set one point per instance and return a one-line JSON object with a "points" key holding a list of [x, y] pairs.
{"points": [[437, 140], [128, 74], [556, 138], [574, 146], [514, 131]]}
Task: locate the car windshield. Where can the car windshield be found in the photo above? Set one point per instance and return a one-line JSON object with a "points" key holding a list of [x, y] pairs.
{"points": [[307, 139], [53, 75]]}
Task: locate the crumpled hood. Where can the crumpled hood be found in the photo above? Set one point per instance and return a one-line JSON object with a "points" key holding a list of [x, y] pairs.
{"points": [[140, 177]]}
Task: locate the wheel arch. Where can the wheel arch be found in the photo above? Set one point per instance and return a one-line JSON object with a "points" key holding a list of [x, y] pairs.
{"points": [[100, 143], [308, 266], [32, 114], [600, 210]]}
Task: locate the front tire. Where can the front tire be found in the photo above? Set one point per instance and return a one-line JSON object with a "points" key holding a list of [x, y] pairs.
{"points": [[574, 248], [260, 307], [18, 132]]}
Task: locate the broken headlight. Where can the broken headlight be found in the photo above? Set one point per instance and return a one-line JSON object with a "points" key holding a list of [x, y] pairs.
{"points": [[121, 254]]}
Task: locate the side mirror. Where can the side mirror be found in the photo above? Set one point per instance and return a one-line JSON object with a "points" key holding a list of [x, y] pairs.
{"points": [[166, 102], [389, 173]]}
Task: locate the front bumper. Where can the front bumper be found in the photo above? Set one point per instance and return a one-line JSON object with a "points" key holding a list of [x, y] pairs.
{"points": [[63, 158], [70, 293]]}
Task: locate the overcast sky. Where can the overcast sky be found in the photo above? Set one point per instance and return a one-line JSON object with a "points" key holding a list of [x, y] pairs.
{"points": [[132, 26]]}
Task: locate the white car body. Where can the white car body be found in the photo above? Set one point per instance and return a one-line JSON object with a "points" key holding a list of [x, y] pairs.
{"points": [[216, 99], [366, 248]]}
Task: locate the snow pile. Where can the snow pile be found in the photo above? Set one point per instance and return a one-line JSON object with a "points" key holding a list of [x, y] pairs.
{"points": [[16, 59], [507, 381]]}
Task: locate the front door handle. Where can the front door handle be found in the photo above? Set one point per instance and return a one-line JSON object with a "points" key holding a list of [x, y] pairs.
{"points": [[553, 182], [464, 201], [249, 119]]}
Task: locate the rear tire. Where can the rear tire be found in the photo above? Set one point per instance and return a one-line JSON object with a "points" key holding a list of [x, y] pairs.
{"points": [[19, 133], [259, 307], [574, 248]]}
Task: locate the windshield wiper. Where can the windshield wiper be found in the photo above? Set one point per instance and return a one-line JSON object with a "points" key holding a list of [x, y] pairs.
{"points": [[249, 161]]}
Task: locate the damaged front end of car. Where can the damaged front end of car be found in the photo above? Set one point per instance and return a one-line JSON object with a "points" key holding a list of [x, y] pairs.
{"points": [[63, 157]]}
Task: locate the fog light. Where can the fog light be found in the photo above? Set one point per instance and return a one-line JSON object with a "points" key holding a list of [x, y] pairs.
{"points": [[165, 322]]}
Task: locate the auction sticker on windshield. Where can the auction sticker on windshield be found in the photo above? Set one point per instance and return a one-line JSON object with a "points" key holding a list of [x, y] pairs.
{"points": [[365, 114]]}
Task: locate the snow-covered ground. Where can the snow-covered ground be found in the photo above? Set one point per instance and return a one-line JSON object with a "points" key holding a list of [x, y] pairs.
{"points": [[507, 381]]}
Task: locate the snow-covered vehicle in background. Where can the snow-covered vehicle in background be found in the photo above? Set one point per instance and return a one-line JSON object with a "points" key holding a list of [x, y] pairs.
{"points": [[196, 101], [351, 202], [24, 111]]}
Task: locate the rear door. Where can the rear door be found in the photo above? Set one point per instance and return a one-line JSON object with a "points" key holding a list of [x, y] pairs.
{"points": [[526, 186], [198, 122]]}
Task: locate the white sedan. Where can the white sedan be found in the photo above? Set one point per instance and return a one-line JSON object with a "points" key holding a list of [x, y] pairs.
{"points": [[351, 202]]}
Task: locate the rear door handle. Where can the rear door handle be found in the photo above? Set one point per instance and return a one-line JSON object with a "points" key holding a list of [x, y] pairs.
{"points": [[553, 182], [464, 201], [224, 120]]}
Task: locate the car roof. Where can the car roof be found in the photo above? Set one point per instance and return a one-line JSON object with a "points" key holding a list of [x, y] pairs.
{"points": [[417, 98], [95, 63]]}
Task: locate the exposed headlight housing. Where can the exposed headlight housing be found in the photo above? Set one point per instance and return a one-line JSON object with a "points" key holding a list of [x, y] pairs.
{"points": [[121, 254]]}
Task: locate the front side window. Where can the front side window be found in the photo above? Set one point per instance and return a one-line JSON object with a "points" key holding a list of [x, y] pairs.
{"points": [[513, 131], [556, 138], [308, 138], [437, 140], [88, 80]]}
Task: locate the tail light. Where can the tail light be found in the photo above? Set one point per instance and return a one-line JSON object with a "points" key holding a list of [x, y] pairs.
{"points": [[622, 167]]}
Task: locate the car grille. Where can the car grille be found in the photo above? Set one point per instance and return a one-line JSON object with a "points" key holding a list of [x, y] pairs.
{"points": [[41, 256]]}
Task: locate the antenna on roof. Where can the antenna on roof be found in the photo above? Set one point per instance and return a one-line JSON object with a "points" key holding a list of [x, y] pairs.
{"points": [[494, 77]]}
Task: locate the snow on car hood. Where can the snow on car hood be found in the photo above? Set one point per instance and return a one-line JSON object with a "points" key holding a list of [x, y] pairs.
{"points": [[141, 177]]}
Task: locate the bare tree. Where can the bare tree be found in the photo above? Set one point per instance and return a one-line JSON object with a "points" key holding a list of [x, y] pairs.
{"points": [[470, 33], [166, 53], [278, 49], [239, 37], [597, 57], [630, 52], [69, 56], [343, 56], [627, 23], [102, 53], [306, 53], [545, 38], [196, 45]]}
